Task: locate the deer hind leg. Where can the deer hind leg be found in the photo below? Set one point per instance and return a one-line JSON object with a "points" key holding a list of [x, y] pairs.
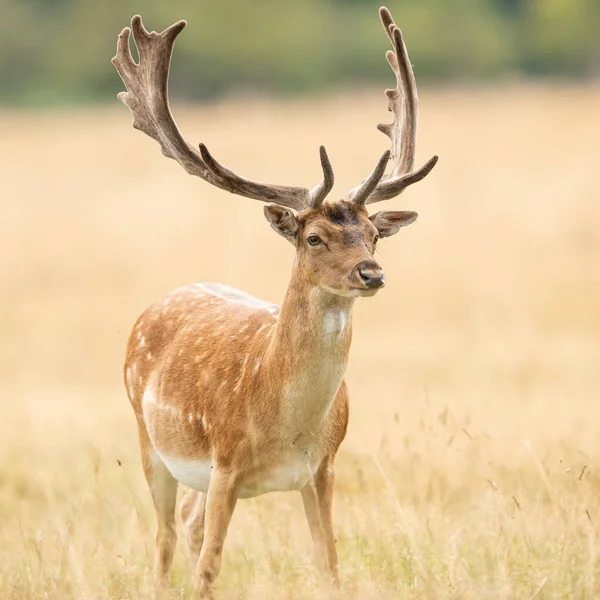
{"points": [[220, 502], [163, 488], [317, 497], [192, 511]]}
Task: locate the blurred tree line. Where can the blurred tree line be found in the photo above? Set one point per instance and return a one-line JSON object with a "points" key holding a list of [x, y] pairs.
{"points": [[60, 50]]}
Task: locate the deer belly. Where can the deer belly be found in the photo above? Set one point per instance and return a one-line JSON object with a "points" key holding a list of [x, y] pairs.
{"points": [[193, 473], [292, 474]]}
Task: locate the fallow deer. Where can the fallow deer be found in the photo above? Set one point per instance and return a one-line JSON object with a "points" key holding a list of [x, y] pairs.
{"points": [[236, 397]]}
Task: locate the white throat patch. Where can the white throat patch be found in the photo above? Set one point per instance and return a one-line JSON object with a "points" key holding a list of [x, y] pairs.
{"points": [[335, 321]]}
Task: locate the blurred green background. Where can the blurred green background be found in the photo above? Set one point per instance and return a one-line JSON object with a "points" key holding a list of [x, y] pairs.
{"points": [[55, 51]]}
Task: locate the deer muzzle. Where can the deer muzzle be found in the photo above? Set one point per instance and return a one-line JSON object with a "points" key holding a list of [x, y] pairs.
{"points": [[370, 274]]}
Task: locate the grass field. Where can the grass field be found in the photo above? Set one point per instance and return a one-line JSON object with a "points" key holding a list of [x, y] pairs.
{"points": [[472, 464]]}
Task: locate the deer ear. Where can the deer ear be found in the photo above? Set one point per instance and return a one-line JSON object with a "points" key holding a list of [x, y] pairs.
{"points": [[283, 221], [389, 222]]}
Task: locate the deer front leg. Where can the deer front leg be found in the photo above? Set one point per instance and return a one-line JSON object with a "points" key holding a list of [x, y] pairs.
{"points": [[317, 497], [220, 502]]}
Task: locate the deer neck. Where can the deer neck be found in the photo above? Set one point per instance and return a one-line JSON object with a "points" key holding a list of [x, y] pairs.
{"points": [[309, 351]]}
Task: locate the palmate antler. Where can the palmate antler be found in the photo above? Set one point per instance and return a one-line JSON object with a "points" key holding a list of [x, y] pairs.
{"points": [[147, 98], [404, 103]]}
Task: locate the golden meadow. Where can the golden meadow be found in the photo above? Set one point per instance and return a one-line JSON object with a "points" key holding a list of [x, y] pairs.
{"points": [[470, 470]]}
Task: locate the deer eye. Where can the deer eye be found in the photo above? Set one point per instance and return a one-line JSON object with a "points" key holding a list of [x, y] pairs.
{"points": [[375, 240], [314, 240]]}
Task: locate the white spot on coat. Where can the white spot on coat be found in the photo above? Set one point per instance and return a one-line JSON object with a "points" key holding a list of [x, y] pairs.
{"points": [[129, 380]]}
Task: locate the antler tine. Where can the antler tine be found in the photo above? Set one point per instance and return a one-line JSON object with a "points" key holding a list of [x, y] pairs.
{"points": [[147, 98], [393, 186], [403, 102], [361, 193], [320, 191]]}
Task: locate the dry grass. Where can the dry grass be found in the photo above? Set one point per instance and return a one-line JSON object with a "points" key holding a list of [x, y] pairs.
{"points": [[471, 466]]}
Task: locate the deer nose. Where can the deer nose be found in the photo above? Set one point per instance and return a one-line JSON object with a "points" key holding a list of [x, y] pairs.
{"points": [[371, 274]]}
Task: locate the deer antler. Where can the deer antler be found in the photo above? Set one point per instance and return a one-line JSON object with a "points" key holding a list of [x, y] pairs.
{"points": [[404, 103], [147, 98]]}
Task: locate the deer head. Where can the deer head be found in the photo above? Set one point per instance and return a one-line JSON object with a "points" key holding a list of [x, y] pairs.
{"points": [[335, 244], [334, 241]]}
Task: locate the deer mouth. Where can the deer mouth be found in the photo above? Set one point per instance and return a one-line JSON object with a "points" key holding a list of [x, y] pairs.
{"points": [[366, 292]]}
